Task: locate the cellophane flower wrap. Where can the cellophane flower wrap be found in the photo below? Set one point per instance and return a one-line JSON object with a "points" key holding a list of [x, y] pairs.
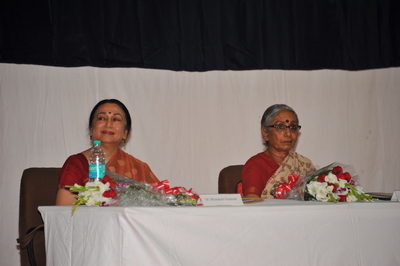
{"points": [[334, 183], [118, 190]]}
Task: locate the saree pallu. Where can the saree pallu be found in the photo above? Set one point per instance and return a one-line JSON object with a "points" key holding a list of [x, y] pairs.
{"points": [[125, 164], [294, 163]]}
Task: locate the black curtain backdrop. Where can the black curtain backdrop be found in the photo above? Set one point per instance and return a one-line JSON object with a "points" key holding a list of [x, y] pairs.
{"points": [[202, 35]]}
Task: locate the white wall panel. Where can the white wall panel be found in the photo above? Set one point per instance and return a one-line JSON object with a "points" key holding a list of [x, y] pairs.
{"points": [[188, 126]]}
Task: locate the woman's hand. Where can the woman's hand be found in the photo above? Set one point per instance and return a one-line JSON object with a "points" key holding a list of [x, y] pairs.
{"points": [[251, 196], [65, 197]]}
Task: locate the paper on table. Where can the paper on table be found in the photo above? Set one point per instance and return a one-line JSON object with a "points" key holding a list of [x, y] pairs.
{"points": [[380, 195]]}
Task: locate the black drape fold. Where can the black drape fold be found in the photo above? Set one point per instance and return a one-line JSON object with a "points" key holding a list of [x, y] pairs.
{"points": [[202, 35]]}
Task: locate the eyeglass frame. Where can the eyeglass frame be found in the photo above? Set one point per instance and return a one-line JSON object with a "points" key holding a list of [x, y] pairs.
{"points": [[285, 127]]}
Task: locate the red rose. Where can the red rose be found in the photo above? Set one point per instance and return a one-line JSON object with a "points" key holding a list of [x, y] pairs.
{"points": [[342, 198], [334, 187], [321, 178], [347, 176], [109, 180], [112, 183], [105, 179], [336, 170], [341, 176], [109, 194]]}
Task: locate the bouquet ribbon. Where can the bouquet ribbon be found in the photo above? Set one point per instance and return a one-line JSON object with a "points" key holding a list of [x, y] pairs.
{"points": [[283, 188], [164, 185]]}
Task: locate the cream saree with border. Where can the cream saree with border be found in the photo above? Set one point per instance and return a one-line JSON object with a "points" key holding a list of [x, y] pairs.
{"points": [[294, 163]]}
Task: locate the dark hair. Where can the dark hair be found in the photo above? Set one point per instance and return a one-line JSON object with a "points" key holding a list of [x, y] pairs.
{"points": [[114, 101]]}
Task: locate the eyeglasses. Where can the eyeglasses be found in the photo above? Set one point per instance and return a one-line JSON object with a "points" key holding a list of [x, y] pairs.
{"points": [[281, 127]]}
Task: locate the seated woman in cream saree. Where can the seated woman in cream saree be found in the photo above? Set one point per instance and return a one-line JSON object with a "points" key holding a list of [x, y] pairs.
{"points": [[280, 129], [261, 172]]}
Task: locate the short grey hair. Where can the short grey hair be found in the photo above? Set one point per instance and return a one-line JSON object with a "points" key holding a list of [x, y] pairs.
{"points": [[272, 111]]}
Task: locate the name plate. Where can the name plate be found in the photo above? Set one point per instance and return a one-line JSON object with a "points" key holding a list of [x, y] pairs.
{"points": [[396, 196], [220, 200]]}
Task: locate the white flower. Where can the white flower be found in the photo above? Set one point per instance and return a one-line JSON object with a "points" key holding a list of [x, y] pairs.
{"points": [[319, 190], [94, 197], [103, 187], [322, 192], [94, 193], [90, 202], [351, 198], [336, 196], [343, 191], [312, 187], [331, 178], [341, 183], [107, 201]]}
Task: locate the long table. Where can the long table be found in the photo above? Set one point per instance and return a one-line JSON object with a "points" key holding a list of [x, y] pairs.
{"points": [[273, 232]]}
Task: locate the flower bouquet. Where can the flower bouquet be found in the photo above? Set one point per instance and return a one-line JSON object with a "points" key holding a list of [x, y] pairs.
{"points": [[118, 190], [328, 184]]}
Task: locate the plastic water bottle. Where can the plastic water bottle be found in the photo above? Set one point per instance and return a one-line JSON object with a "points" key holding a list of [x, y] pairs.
{"points": [[97, 162]]}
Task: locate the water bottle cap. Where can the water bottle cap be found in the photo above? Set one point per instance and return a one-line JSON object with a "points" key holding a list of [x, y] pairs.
{"points": [[97, 142]]}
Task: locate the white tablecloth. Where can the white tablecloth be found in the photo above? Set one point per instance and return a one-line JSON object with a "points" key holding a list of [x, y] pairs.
{"points": [[274, 232]]}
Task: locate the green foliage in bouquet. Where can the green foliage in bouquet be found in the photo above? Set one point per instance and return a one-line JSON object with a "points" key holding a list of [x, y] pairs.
{"points": [[183, 199]]}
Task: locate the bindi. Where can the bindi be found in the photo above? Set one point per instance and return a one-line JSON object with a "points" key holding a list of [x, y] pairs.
{"points": [[287, 120], [110, 113]]}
